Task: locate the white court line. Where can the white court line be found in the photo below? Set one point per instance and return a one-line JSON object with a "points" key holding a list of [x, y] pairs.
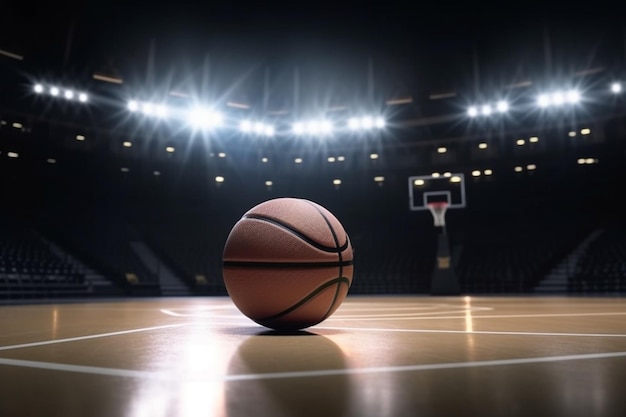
{"points": [[127, 373], [92, 336], [348, 307], [92, 370], [474, 317], [383, 316], [506, 333], [337, 316]]}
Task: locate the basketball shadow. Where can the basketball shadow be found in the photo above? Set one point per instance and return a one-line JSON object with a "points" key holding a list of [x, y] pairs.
{"points": [[285, 376]]}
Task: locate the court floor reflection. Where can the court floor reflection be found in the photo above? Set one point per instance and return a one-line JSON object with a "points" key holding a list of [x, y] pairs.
{"points": [[267, 357]]}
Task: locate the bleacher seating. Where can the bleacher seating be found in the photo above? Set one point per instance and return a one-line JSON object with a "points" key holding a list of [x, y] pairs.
{"points": [[30, 268], [602, 267]]}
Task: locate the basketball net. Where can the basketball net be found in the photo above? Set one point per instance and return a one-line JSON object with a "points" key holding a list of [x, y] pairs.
{"points": [[438, 211]]}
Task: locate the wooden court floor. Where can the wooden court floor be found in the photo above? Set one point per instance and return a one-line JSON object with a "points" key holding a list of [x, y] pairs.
{"points": [[376, 356]]}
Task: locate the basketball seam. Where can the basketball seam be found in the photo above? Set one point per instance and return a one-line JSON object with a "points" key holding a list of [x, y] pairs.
{"points": [[339, 280], [336, 239], [285, 265], [299, 234]]}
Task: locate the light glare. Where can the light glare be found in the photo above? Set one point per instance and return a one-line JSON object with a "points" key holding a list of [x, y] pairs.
{"points": [[616, 88]]}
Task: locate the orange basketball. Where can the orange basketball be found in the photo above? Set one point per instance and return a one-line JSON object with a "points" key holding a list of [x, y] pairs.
{"points": [[288, 263]]}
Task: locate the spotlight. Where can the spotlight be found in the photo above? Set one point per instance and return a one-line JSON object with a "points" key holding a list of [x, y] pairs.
{"points": [[69, 94], [502, 106], [203, 118], [573, 96], [472, 111], [160, 110], [54, 91], [38, 88], [298, 128], [245, 126], [82, 97], [543, 100], [486, 110], [133, 105], [616, 88], [326, 127], [557, 98]]}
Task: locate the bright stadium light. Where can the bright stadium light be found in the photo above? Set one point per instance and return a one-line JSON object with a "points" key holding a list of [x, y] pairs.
{"points": [[543, 100], [313, 127], [353, 123], [326, 127], [367, 122], [245, 126], [160, 110], [486, 110], [147, 109], [616, 88], [298, 128], [259, 128], [54, 91], [502, 106], [472, 111], [204, 118], [573, 96], [268, 130], [557, 98], [476, 173], [133, 105], [482, 145], [380, 122], [38, 88], [82, 97], [69, 94]]}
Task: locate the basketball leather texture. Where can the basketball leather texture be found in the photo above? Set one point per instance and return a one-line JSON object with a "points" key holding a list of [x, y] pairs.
{"points": [[288, 264]]}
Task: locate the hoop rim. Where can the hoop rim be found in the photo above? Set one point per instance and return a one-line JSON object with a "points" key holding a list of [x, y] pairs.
{"points": [[438, 204]]}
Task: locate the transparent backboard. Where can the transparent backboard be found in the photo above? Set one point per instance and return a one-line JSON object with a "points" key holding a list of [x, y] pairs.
{"points": [[448, 188]]}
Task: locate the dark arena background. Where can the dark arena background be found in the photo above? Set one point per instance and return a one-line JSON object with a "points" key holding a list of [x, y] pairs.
{"points": [[133, 138]]}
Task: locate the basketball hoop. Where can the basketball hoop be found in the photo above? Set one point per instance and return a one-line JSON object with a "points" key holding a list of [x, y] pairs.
{"points": [[438, 210]]}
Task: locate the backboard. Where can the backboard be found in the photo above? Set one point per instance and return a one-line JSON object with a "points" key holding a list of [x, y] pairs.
{"points": [[447, 187]]}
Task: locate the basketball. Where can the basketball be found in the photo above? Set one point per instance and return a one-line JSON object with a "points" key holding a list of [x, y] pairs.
{"points": [[288, 264]]}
